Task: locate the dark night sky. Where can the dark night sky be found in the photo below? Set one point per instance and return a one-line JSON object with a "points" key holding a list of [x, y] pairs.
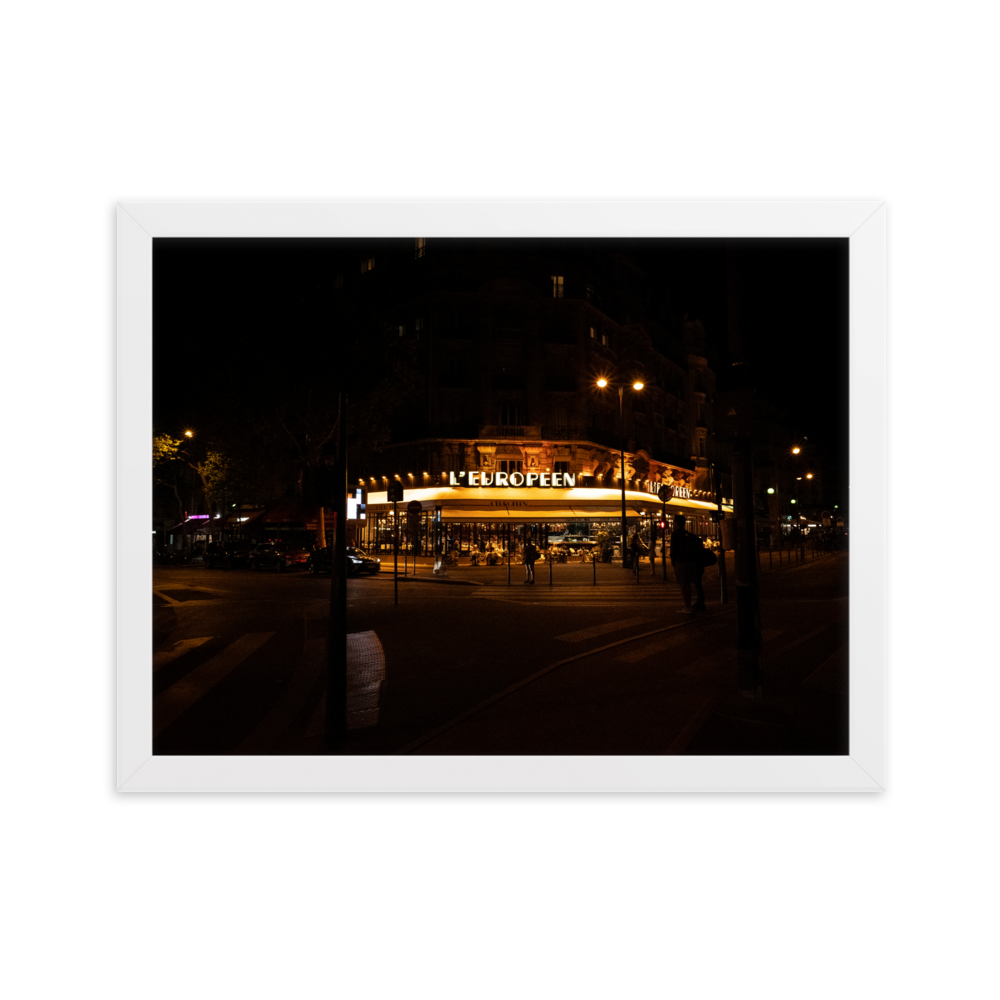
{"points": [[254, 301]]}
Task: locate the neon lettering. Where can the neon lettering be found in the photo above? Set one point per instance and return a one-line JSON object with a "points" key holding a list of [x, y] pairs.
{"points": [[501, 479]]}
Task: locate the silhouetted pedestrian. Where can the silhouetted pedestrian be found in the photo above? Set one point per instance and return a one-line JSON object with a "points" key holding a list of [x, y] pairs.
{"points": [[530, 555], [687, 559]]}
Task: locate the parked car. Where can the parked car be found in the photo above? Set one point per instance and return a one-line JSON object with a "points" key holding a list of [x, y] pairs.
{"points": [[358, 561], [169, 557], [228, 554], [277, 555]]}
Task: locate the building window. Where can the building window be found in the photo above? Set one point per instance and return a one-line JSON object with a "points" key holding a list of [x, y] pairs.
{"points": [[509, 465], [604, 339], [419, 247], [561, 467], [593, 334], [367, 264], [557, 286], [401, 330], [510, 415]]}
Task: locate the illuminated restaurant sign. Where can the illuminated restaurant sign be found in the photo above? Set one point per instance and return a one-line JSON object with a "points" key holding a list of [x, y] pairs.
{"points": [[549, 480], [544, 480]]}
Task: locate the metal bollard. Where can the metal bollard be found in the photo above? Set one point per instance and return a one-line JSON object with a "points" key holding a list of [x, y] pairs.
{"points": [[550, 571]]}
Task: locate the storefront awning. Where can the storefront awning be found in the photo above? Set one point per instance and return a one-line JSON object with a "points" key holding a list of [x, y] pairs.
{"points": [[577, 504], [191, 526]]}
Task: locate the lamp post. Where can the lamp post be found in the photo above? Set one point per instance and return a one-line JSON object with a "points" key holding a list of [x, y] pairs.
{"points": [[636, 386]]}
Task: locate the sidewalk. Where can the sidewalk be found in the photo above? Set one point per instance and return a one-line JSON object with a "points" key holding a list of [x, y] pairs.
{"points": [[579, 574]]}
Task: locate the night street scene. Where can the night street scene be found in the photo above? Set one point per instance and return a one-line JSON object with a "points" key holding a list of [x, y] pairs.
{"points": [[466, 496]]}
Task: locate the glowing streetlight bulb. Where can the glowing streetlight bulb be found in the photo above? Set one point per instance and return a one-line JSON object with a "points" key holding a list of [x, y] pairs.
{"points": [[770, 489], [796, 450], [637, 385], [809, 475], [189, 434], [602, 382]]}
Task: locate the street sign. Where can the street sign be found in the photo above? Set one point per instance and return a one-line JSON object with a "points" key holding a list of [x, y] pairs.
{"points": [[414, 507], [665, 493]]}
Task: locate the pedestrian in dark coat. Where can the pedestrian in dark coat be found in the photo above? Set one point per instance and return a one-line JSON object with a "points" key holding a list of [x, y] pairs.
{"points": [[530, 555], [686, 552]]}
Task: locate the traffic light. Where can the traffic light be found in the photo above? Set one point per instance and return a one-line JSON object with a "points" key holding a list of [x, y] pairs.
{"points": [[662, 525]]}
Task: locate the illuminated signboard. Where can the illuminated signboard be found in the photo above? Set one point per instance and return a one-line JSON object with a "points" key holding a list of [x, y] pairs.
{"points": [[542, 480], [356, 507], [548, 480]]}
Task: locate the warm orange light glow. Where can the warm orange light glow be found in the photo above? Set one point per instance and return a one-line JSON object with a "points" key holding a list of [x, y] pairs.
{"points": [[637, 385], [796, 450], [189, 434], [809, 475], [602, 382]]}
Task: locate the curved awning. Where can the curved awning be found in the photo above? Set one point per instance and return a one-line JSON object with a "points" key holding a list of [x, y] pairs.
{"points": [[492, 504]]}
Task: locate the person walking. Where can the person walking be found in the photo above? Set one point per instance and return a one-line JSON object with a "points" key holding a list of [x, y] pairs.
{"points": [[635, 552], [686, 557], [530, 555]]}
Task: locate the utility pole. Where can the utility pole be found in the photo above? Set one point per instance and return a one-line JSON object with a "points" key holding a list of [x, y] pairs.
{"points": [[737, 413], [717, 517], [336, 643]]}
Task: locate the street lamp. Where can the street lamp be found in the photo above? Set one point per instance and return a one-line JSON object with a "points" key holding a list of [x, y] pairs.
{"points": [[636, 386]]}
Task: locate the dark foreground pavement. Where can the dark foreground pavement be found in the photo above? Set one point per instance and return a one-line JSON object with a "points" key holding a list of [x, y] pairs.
{"points": [[673, 691], [621, 671]]}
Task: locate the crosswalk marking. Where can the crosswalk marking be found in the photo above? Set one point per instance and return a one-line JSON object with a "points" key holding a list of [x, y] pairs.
{"points": [[179, 697], [595, 630], [165, 656], [365, 674], [653, 647]]}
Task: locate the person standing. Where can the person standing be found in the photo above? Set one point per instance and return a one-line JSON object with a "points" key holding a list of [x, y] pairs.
{"points": [[686, 557], [530, 555]]}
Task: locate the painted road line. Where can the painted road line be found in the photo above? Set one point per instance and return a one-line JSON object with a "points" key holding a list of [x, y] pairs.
{"points": [[694, 724], [264, 737], [595, 630], [165, 656], [650, 649], [179, 697], [365, 674]]}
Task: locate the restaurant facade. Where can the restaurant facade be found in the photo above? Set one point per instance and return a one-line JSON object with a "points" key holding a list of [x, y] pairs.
{"points": [[476, 510]]}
